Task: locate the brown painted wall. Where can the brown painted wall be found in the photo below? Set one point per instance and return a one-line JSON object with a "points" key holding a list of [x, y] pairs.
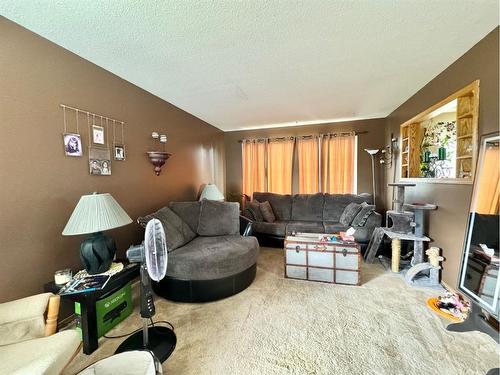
{"points": [[39, 186], [447, 224], [374, 138]]}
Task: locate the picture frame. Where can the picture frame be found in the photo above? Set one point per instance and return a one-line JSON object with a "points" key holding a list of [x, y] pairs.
{"points": [[99, 161], [72, 143], [119, 152], [98, 134], [100, 167]]}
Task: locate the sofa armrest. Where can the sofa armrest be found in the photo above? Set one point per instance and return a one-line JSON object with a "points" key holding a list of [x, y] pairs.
{"points": [[364, 233], [245, 226], [24, 319], [374, 220]]}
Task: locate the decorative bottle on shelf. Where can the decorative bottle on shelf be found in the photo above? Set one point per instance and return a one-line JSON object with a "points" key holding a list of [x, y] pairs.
{"points": [[442, 153], [427, 156]]}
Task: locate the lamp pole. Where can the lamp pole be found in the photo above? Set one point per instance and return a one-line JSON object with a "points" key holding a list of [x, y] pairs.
{"points": [[372, 153]]}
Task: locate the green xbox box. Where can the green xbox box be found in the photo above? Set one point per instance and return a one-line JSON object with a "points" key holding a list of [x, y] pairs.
{"points": [[110, 309]]}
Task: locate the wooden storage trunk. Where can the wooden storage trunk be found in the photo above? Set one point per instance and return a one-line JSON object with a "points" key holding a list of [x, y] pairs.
{"points": [[307, 258]]}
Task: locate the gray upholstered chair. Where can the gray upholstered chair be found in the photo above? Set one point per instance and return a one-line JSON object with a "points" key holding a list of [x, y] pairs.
{"points": [[212, 254]]}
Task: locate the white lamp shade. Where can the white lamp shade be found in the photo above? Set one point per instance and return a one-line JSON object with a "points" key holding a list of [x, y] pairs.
{"points": [[212, 193], [96, 213], [371, 151]]}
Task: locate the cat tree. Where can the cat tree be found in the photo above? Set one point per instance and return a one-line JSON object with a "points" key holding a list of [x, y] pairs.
{"points": [[407, 222]]}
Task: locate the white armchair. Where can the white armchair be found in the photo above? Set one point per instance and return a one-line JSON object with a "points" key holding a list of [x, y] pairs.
{"points": [[28, 342]]}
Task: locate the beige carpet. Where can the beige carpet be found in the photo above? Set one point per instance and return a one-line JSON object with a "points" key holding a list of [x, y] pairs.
{"points": [[280, 326]]}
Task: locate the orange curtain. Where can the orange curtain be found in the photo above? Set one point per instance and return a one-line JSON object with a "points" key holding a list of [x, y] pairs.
{"points": [[254, 170], [307, 150], [280, 165], [337, 164], [489, 183]]}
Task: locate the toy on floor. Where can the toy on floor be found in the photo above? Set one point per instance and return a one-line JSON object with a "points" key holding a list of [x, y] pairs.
{"points": [[451, 306], [426, 274]]}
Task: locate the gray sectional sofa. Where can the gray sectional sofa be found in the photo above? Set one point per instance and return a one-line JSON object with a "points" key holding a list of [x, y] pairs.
{"points": [[208, 259], [314, 213]]}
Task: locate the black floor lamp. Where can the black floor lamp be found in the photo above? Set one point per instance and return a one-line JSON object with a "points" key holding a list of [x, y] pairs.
{"points": [[373, 152]]}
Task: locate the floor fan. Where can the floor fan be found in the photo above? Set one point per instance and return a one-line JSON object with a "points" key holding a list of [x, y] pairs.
{"points": [[153, 256]]}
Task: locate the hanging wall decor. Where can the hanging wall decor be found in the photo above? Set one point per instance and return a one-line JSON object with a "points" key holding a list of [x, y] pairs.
{"points": [[118, 142], [119, 152], [72, 141], [99, 153], [98, 128], [158, 158], [98, 134], [99, 161]]}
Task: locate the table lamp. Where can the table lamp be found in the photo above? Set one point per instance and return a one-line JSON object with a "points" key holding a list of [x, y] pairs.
{"points": [[212, 193], [93, 214]]}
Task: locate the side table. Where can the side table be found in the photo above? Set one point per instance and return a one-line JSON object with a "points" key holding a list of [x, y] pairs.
{"points": [[88, 303]]}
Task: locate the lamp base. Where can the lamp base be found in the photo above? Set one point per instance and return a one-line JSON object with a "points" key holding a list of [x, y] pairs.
{"points": [[97, 253], [162, 342]]}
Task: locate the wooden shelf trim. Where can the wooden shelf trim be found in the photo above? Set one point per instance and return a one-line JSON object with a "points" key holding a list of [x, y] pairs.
{"points": [[468, 114]]}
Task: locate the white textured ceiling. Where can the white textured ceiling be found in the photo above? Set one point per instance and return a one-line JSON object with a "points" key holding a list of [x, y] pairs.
{"points": [[250, 64]]}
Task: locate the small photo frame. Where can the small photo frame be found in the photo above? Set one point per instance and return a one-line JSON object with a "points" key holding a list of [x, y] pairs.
{"points": [[98, 134], [99, 161], [100, 167], [72, 144], [119, 152]]}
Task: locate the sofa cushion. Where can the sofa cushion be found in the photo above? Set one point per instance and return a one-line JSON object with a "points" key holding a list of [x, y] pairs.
{"points": [[177, 232], [278, 228], [349, 213], [248, 214], [189, 212], [219, 218], [363, 234], [254, 207], [304, 226], [281, 204], [307, 207], [332, 227], [46, 355], [336, 203], [133, 362], [208, 258], [363, 214], [267, 212]]}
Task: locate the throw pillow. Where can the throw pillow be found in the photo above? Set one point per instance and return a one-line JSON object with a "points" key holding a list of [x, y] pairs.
{"points": [[267, 212], [363, 214], [177, 232], [248, 214], [219, 218], [254, 207], [349, 213]]}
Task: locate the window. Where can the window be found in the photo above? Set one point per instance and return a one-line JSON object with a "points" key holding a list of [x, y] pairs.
{"points": [[254, 170], [280, 165], [325, 163], [338, 155], [308, 158]]}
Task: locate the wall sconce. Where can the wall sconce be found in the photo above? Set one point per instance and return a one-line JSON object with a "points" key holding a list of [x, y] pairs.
{"points": [[388, 152], [158, 158]]}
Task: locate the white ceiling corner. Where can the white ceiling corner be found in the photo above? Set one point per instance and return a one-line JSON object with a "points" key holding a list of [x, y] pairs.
{"points": [[252, 64]]}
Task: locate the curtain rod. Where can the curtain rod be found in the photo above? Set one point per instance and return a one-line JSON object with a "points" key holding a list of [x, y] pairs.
{"points": [[335, 134], [64, 106]]}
